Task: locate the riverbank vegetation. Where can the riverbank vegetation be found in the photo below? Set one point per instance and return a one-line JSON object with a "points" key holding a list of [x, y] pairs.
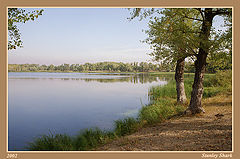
{"points": [[162, 106]]}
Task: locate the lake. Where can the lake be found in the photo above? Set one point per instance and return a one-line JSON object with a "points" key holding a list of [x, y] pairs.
{"points": [[42, 103]]}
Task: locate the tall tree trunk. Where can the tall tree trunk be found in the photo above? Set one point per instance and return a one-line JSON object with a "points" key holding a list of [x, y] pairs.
{"points": [[197, 88], [179, 77], [195, 105]]}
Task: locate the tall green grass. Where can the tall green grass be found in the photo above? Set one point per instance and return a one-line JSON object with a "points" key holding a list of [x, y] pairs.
{"points": [[91, 138], [169, 90], [126, 126], [162, 106], [159, 111], [85, 140], [213, 85], [58, 142]]}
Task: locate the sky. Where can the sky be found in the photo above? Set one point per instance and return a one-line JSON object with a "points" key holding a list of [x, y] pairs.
{"points": [[80, 35]]}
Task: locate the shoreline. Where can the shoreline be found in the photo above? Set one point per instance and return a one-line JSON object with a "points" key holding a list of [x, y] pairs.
{"points": [[204, 132]]}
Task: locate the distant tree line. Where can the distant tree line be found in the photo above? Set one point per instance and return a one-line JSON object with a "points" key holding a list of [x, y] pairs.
{"points": [[105, 66], [100, 66]]}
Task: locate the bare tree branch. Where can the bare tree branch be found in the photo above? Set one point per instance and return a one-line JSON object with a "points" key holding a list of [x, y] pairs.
{"points": [[201, 12]]}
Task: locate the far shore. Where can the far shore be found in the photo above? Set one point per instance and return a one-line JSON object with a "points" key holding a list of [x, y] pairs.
{"points": [[152, 72]]}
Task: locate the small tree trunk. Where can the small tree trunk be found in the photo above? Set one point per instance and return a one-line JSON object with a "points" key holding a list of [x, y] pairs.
{"points": [[179, 77]]}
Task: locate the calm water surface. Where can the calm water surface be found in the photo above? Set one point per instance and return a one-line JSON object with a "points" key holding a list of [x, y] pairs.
{"points": [[40, 103]]}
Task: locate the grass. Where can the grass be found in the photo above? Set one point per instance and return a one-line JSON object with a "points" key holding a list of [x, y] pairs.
{"points": [[126, 126], [56, 142], [84, 140], [159, 111], [213, 84], [162, 106]]}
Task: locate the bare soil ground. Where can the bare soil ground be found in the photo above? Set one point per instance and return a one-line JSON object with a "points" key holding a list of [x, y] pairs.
{"points": [[204, 132]]}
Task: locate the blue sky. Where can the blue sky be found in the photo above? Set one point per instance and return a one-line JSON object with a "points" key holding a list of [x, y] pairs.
{"points": [[80, 35]]}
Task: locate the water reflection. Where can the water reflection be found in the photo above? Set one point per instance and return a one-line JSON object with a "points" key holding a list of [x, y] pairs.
{"points": [[69, 102], [140, 78], [102, 78]]}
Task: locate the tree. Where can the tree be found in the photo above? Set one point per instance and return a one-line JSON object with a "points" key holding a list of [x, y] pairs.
{"points": [[66, 67], [18, 15], [171, 37], [181, 33], [51, 67], [205, 46]]}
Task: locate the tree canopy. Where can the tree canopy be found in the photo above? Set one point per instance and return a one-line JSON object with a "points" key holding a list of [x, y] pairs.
{"points": [[18, 15], [177, 33]]}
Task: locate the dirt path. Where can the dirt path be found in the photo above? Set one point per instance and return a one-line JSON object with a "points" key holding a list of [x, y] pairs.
{"points": [[205, 132]]}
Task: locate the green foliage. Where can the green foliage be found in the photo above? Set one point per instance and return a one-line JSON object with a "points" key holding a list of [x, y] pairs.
{"points": [[18, 15], [52, 142], [107, 66], [126, 126], [213, 85], [173, 34], [159, 111], [221, 80], [211, 91], [85, 140], [219, 61], [91, 138], [169, 90], [100, 66], [189, 67]]}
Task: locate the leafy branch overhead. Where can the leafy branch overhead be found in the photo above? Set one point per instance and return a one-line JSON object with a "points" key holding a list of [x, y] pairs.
{"points": [[175, 32], [15, 16]]}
